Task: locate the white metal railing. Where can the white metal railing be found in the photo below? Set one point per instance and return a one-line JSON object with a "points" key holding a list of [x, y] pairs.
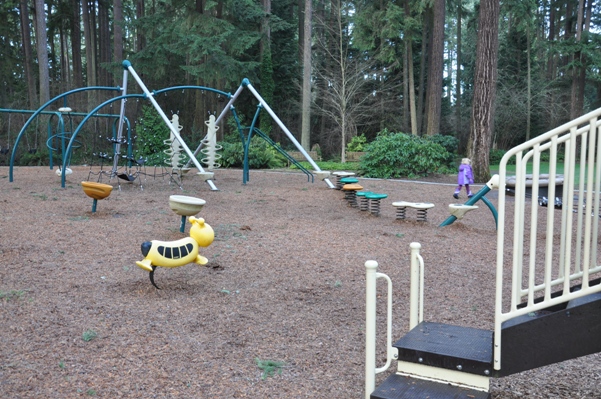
{"points": [[553, 249], [415, 317]]}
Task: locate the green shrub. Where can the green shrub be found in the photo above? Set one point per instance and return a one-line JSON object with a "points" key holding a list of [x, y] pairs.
{"points": [[38, 158], [151, 132], [450, 143], [495, 156], [394, 155], [357, 143], [260, 156]]}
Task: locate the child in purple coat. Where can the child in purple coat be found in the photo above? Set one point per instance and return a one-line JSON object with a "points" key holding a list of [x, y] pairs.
{"points": [[465, 177]]}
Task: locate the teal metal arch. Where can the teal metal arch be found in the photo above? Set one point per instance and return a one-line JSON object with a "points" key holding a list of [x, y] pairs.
{"points": [[203, 88], [83, 122], [40, 110], [60, 132]]}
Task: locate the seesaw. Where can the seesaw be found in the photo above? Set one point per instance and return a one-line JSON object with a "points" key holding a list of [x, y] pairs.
{"points": [[458, 210]]}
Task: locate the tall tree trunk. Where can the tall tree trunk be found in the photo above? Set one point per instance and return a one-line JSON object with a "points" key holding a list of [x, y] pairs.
{"points": [[422, 76], [306, 95], [267, 84], [88, 32], [301, 30], [42, 50], [104, 37], [76, 44], [551, 65], [320, 83], [409, 67], [140, 39], [405, 122], [529, 85], [458, 126], [28, 55], [435, 73], [117, 33], [485, 82], [577, 98], [408, 89], [64, 63]]}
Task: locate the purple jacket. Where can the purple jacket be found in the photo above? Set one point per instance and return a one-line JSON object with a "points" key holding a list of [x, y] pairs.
{"points": [[465, 175]]}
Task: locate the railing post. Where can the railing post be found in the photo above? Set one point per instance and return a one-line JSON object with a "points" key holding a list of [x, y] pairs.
{"points": [[371, 268], [414, 301]]}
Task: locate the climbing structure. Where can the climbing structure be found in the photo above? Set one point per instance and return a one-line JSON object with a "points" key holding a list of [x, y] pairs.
{"points": [[548, 294]]}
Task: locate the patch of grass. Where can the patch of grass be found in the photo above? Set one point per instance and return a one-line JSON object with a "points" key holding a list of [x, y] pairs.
{"points": [[269, 367], [338, 284], [89, 335], [91, 392], [43, 197], [13, 294], [329, 165], [62, 365]]}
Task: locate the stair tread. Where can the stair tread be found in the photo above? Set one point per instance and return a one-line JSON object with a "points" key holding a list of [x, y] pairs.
{"points": [[449, 340], [401, 387]]}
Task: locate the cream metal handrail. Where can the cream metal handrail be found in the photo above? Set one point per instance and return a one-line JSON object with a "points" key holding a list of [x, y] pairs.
{"points": [[556, 254], [416, 302], [371, 278], [416, 313]]}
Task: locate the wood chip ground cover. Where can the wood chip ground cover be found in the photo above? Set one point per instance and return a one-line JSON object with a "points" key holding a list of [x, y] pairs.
{"points": [[284, 284]]}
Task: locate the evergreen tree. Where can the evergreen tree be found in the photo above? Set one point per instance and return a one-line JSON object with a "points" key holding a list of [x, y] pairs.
{"points": [[267, 89]]}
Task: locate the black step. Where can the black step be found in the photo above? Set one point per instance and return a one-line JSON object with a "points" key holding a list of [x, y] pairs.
{"points": [[448, 346], [401, 387]]}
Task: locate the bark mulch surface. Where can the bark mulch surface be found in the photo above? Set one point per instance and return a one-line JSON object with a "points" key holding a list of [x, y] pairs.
{"points": [[278, 312]]}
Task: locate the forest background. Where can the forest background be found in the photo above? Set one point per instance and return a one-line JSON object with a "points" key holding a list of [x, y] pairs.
{"points": [[331, 70]]}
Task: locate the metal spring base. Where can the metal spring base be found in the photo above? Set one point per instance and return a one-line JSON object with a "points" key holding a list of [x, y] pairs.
{"points": [[339, 183], [364, 204], [400, 212], [351, 197], [422, 214], [374, 205]]}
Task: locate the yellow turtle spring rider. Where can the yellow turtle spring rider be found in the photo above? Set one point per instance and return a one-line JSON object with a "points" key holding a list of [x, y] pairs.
{"points": [[177, 253]]}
